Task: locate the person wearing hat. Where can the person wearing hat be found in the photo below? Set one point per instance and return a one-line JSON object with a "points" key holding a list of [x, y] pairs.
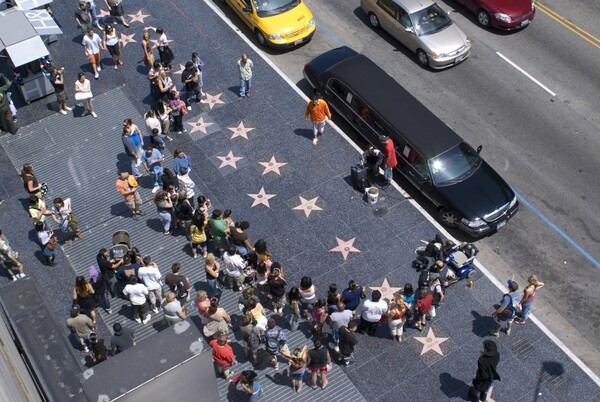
{"points": [[190, 77], [81, 326], [389, 159], [122, 339]]}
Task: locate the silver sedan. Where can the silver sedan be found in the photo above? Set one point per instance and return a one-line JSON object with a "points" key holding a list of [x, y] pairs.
{"points": [[423, 27]]}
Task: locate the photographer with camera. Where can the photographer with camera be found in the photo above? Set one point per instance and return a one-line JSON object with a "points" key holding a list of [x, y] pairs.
{"points": [[58, 82]]}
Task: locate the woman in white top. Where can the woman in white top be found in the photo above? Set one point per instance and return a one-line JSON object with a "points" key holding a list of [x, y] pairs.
{"points": [[165, 84], [164, 51], [111, 42], [63, 215], [83, 87]]}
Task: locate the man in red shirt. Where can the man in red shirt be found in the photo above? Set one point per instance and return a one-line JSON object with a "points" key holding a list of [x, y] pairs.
{"points": [[318, 110], [223, 355], [389, 159]]}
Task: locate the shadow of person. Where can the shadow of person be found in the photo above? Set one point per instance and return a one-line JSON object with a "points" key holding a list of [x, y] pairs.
{"points": [[305, 132], [451, 386], [482, 325]]}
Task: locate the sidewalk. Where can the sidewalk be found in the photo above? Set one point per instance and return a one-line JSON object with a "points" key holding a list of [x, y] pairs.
{"points": [[343, 238]]}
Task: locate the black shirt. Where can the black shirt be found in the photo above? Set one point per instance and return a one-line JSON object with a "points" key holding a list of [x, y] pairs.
{"points": [[123, 341], [105, 267], [131, 269], [318, 357], [277, 287], [188, 74], [83, 16], [347, 341], [58, 88]]}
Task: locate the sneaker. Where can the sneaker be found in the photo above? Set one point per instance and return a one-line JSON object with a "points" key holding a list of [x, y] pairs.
{"points": [[155, 189], [334, 346], [315, 140], [85, 349], [189, 108], [148, 316], [155, 310], [21, 276], [109, 311], [94, 114], [496, 334], [98, 68], [135, 217], [140, 212], [508, 331], [14, 278], [138, 320], [62, 112], [68, 108], [96, 76]]}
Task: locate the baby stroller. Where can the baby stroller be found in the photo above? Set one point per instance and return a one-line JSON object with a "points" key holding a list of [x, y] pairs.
{"points": [[121, 244]]}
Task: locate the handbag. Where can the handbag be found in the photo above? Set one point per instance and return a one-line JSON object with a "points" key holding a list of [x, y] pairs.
{"points": [[183, 108], [83, 95], [169, 53]]}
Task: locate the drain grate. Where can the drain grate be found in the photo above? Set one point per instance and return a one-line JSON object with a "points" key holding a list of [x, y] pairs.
{"points": [[554, 378], [523, 348]]}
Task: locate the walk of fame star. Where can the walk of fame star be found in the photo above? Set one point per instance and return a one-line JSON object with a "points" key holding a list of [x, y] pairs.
{"points": [[199, 125], [345, 247], [308, 206], [138, 17], [229, 160], [387, 292], [261, 198], [240, 131], [431, 342], [181, 68], [212, 100], [272, 166], [125, 39]]}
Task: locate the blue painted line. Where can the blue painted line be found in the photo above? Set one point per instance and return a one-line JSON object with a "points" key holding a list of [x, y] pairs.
{"points": [[328, 33], [559, 231]]}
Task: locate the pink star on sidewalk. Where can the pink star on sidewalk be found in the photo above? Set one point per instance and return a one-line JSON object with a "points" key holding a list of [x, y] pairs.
{"points": [[125, 39], [261, 198], [181, 68], [229, 160], [199, 125], [240, 131], [308, 206], [345, 247], [102, 13], [138, 17], [431, 342], [212, 100], [155, 41], [272, 166], [387, 292]]}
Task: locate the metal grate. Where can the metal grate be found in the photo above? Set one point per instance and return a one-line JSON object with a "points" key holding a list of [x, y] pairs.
{"points": [[524, 348]]}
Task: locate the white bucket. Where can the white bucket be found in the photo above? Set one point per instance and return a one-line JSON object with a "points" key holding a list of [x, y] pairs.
{"points": [[372, 194]]}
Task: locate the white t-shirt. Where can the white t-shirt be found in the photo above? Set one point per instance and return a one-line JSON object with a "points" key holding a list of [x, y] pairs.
{"points": [[234, 264], [172, 309], [153, 122], [44, 237], [340, 318], [150, 276], [64, 211], [162, 40], [92, 44], [372, 311], [136, 293]]}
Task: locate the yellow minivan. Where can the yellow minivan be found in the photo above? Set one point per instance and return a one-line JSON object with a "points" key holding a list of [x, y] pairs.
{"points": [[276, 23]]}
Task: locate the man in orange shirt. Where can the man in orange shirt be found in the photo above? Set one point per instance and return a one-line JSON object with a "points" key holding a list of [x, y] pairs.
{"points": [[127, 185], [318, 110]]}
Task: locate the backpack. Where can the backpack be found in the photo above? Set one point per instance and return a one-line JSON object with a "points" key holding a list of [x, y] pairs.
{"points": [[180, 291], [509, 311], [272, 343]]}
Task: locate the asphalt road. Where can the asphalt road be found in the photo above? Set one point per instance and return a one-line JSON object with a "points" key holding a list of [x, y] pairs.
{"points": [[545, 146]]}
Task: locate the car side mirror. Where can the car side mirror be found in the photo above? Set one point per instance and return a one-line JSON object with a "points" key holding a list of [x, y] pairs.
{"points": [[247, 9], [479, 148]]}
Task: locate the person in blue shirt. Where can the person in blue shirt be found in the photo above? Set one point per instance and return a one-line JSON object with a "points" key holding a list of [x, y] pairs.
{"points": [[506, 312], [352, 295], [152, 160], [181, 160]]}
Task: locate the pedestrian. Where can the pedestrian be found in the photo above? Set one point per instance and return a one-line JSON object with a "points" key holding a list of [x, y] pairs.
{"points": [[389, 160], [184, 210], [92, 7], [397, 317], [165, 85], [275, 342], [239, 238], [123, 338], [108, 267], [218, 231], [152, 160], [164, 50], [30, 182], [486, 372], [8, 112], [186, 184], [202, 304], [212, 269], [423, 307], [134, 132], [348, 342], [148, 53], [258, 313], [83, 92], [297, 361], [223, 356], [37, 210], [408, 294], [99, 283], [48, 242], [116, 10], [190, 78], [526, 302], [150, 275], [319, 316], [98, 349], [234, 268], [319, 362], [199, 64], [163, 112], [153, 123], [170, 182], [178, 110], [10, 258], [337, 319], [83, 17], [333, 297], [293, 298], [506, 311], [178, 283], [217, 320], [372, 159], [83, 296], [436, 289], [57, 79], [318, 110], [308, 296], [172, 308], [370, 312], [246, 295], [352, 295], [153, 75], [245, 67], [127, 186], [137, 294], [262, 254], [81, 326], [277, 284], [67, 221], [93, 45], [251, 385], [198, 240], [110, 41]]}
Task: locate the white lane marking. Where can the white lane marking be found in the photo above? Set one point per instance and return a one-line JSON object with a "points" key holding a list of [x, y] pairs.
{"points": [[440, 228], [506, 59]]}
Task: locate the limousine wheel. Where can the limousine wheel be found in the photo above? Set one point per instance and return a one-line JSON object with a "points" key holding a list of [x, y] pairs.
{"points": [[260, 38], [374, 21], [449, 218], [422, 56], [483, 18]]}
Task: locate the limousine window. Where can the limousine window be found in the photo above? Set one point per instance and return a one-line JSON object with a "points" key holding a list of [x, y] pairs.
{"points": [[454, 165], [338, 88]]}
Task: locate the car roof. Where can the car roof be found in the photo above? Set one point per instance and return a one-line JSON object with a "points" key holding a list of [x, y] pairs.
{"points": [[413, 5], [425, 131]]}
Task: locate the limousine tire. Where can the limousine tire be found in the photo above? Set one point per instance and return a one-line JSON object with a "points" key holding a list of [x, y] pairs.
{"points": [[483, 18], [448, 217], [260, 37], [422, 57], [374, 21]]}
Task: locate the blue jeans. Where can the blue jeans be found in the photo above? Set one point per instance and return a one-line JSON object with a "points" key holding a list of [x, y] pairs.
{"points": [[165, 217], [245, 86], [257, 392], [93, 13], [157, 173], [526, 310], [212, 287], [388, 173]]}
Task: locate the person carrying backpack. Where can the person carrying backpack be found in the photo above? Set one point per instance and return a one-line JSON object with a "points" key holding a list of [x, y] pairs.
{"points": [[506, 312], [178, 284], [275, 342]]}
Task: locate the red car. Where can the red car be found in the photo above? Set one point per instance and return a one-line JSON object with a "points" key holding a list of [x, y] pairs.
{"points": [[502, 14]]}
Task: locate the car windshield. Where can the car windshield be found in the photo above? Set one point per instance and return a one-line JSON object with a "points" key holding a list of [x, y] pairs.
{"points": [[273, 7], [454, 165], [430, 20]]}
